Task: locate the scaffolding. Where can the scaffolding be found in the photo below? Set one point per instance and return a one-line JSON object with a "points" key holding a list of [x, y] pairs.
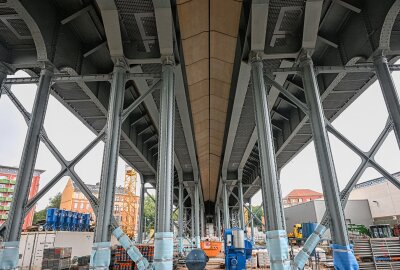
{"points": [[130, 204]]}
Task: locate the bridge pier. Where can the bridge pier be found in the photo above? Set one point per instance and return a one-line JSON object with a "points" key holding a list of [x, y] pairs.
{"points": [[9, 253], [3, 75], [163, 243], [142, 227], [101, 253], [218, 221], [276, 231], [251, 221], [242, 223], [326, 167], [196, 214], [225, 203], [180, 219], [389, 92]]}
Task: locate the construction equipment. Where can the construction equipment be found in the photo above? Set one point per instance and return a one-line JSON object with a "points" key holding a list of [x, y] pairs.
{"points": [[396, 230], [130, 206], [381, 231], [196, 260], [358, 230], [237, 249], [297, 232]]}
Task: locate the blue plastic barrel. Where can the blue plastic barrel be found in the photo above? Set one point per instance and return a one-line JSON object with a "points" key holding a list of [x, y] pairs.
{"points": [[308, 228], [79, 224], [51, 219], [74, 221], [86, 222], [63, 220], [68, 220]]}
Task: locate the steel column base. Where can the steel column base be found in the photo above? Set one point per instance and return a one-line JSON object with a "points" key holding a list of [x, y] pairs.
{"points": [[278, 247], [101, 256], [163, 250], [9, 255]]}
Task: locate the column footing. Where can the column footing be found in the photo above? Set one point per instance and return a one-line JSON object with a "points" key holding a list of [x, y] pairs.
{"points": [[101, 256], [163, 251], [343, 257], [9, 255], [278, 248]]}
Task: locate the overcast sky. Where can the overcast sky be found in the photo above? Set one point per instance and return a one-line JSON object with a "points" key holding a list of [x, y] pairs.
{"points": [[361, 123]]}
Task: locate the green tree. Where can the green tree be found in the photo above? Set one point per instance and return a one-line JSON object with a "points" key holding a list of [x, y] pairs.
{"points": [[258, 212], [149, 213], [54, 202]]}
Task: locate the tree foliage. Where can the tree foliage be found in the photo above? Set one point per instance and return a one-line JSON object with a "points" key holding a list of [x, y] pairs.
{"points": [[54, 202], [258, 212], [149, 213]]}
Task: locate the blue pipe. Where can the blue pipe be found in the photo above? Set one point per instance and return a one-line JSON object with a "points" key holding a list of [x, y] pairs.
{"points": [[133, 252], [278, 248], [309, 246], [9, 255]]}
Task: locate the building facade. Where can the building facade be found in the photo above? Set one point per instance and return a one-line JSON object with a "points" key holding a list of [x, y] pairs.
{"points": [[383, 198], [298, 196], [73, 199], [356, 212], [8, 178]]}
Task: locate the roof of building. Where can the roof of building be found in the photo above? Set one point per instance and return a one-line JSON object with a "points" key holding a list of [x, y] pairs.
{"points": [[301, 192], [95, 188], [11, 169], [376, 181]]}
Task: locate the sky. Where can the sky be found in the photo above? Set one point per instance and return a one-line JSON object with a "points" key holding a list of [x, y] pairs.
{"points": [[361, 122]]}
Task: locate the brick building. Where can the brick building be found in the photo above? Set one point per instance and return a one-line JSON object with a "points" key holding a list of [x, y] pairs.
{"points": [[8, 176], [297, 196], [74, 200]]}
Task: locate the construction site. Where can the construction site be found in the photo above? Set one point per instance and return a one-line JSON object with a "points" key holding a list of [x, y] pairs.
{"points": [[199, 134]]}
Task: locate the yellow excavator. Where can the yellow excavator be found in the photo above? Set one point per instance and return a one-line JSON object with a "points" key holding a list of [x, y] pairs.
{"points": [[296, 234]]}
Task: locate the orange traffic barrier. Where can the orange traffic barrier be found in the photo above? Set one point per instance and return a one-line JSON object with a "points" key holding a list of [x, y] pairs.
{"points": [[211, 248]]}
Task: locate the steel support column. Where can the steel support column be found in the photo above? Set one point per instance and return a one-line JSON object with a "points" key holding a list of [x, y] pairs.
{"points": [[242, 224], [324, 155], [251, 221], [269, 180], [218, 222], [101, 252], [202, 220], [142, 225], [28, 158], [196, 214], [3, 75], [276, 236], [180, 219], [110, 155], [192, 229], [25, 173], [226, 206], [163, 243], [389, 93]]}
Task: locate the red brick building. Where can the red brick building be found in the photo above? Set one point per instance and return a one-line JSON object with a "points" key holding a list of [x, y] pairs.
{"points": [[8, 176], [297, 196]]}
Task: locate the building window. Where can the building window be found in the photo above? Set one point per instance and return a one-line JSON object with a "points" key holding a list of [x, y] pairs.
{"points": [[76, 205], [82, 205], [117, 208], [300, 200], [87, 206]]}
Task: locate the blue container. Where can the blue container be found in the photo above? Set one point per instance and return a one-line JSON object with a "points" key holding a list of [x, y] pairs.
{"points": [[75, 221], [52, 219], [79, 224], [308, 228], [68, 219], [63, 220], [85, 222]]}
